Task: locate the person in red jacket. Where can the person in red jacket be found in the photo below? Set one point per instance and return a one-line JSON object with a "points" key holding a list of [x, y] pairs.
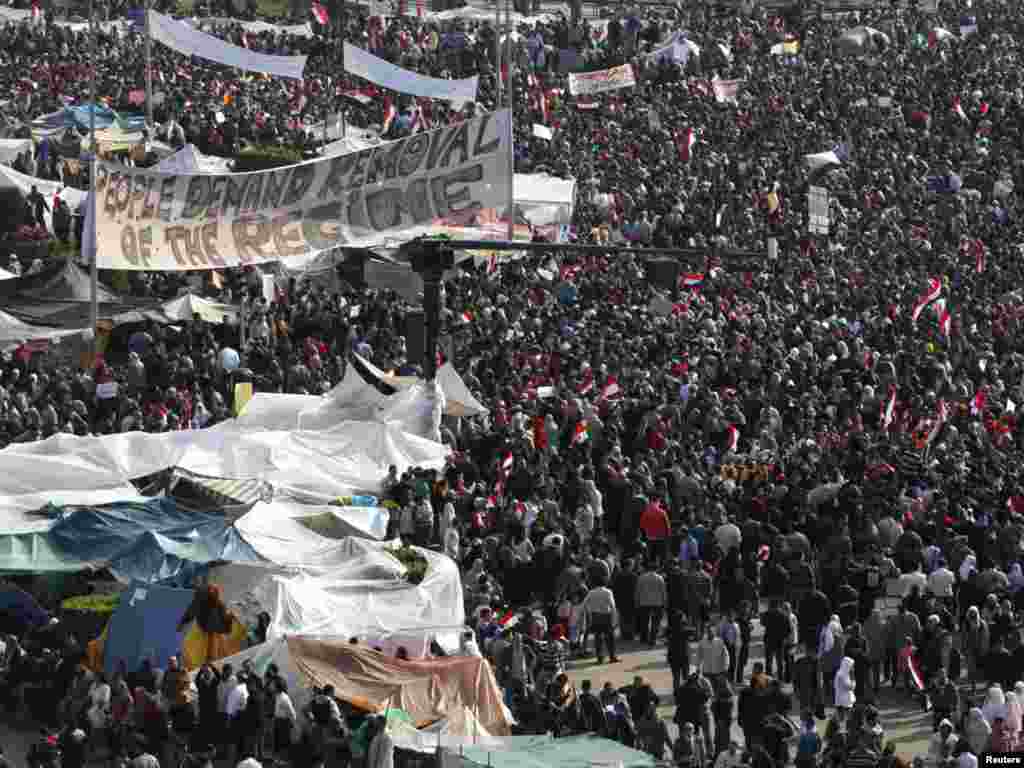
{"points": [[657, 528]]}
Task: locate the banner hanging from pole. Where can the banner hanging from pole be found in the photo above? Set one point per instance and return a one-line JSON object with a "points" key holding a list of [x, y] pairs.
{"points": [[189, 41], [589, 83], [387, 75], [428, 183]]}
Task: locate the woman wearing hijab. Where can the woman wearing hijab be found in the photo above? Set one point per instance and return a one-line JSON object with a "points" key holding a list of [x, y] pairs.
{"points": [[844, 686], [1015, 712], [995, 705], [977, 731], [1016, 577], [975, 644]]}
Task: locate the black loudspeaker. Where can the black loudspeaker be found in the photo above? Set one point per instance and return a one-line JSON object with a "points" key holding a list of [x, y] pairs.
{"points": [[663, 273], [415, 337]]}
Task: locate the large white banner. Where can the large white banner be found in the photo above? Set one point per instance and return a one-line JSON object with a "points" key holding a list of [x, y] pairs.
{"points": [[187, 40], [387, 75], [427, 183], [589, 83]]}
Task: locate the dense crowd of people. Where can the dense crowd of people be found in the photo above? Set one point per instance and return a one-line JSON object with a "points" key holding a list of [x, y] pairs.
{"points": [[780, 446]]}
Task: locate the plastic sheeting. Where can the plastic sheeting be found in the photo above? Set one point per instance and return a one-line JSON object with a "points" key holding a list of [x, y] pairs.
{"points": [[274, 529], [426, 689], [150, 542], [145, 626], [350, 457], [346, 588], [545, 752], [14, 332], [11, 148]]}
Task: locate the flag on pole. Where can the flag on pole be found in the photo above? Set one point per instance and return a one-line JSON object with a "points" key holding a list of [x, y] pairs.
{"points": [[390, 113], [685, 141], [508, 619], [693, 280], [319, 13], [889, 408], [978, 247], [978, 403], [932, 292], [732, 438], [37, 13], [610, 389]]}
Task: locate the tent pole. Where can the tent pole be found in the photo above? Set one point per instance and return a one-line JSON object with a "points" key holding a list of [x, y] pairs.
{"points": [[94, 303], [149, 70], [511, 124], [497, 54]]}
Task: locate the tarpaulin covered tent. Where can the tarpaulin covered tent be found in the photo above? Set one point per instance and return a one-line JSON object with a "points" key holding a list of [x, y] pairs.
{"points": [[14, 332], [275, 528], [151, 542], [348, 588], [584, 751], [145, 626], [365, 392], [426, 689]]}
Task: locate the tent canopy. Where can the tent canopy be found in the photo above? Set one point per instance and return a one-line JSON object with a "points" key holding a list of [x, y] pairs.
{"points": [[427, 690], [14, 332], [145, 626], [544, 752]]}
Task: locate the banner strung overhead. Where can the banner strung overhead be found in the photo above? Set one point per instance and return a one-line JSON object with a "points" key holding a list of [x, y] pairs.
{"points": [[187, 40], [387, 75], [423, 184], [588, 83]]}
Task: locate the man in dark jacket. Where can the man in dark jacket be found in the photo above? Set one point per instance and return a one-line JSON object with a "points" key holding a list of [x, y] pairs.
{"points": [[776, 632], [624, 589], [807, 681], [692, 705]]}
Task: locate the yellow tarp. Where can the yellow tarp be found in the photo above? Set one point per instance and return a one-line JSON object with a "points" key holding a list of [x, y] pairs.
{"points": [[197, 648]]}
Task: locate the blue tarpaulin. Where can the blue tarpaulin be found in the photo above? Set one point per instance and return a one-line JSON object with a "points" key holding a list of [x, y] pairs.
{"points": [[145, 626], [80, 116], [152, 542]]}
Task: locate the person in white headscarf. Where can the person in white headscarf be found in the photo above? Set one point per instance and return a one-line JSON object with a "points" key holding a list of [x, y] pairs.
{"points": [[1016, 577], [977, 731], [844, 685], [995, 705], [1015, 713]]}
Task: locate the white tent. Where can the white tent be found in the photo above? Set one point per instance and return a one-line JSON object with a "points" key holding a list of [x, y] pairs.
{"points": [[23, 183], [186, 307], [15, 332], [544, 199], [345, 588], [11, 148], [357, 397]]}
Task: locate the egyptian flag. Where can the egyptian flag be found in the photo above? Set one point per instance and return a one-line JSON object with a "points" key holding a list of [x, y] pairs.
{"points": [[978, 403], [693, 280], [372, 375], [581, 433], [945, 321], [933, 291], [507, 620], [506, 463], [319, 13], [978, 249], [587, 385], [611, 389], [915, 673], [732, 439], [889, 408], [958, 109], [390, 113], [37, 14], [685, 141]]}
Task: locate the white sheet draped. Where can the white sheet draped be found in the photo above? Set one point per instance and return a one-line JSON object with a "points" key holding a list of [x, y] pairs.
{"points": [[388, 75], [187, 40]]}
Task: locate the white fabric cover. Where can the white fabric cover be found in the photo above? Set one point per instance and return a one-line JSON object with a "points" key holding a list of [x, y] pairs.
{"points": [[345, 588], [387, 75], [189, 41], [351, 457], [15, 509], [189, 159], [185, 307], [23, 183], [274, 529], [15, 332], [11, 148], [821, 159]]}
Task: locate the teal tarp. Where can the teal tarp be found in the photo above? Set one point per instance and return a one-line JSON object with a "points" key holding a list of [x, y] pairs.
{"points": [[546, 752]]}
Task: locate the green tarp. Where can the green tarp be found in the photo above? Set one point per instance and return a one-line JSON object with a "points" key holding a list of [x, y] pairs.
{"points": [[546, 752]]}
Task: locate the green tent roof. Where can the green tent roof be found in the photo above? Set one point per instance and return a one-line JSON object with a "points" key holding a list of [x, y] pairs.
{"points": [[34, 553], [545, 752]]}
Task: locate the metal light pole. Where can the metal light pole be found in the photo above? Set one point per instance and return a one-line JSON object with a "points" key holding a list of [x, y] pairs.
{"points": [[149, 70], [509, 91], [430, 259], [497, 53], [94, 301]]}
